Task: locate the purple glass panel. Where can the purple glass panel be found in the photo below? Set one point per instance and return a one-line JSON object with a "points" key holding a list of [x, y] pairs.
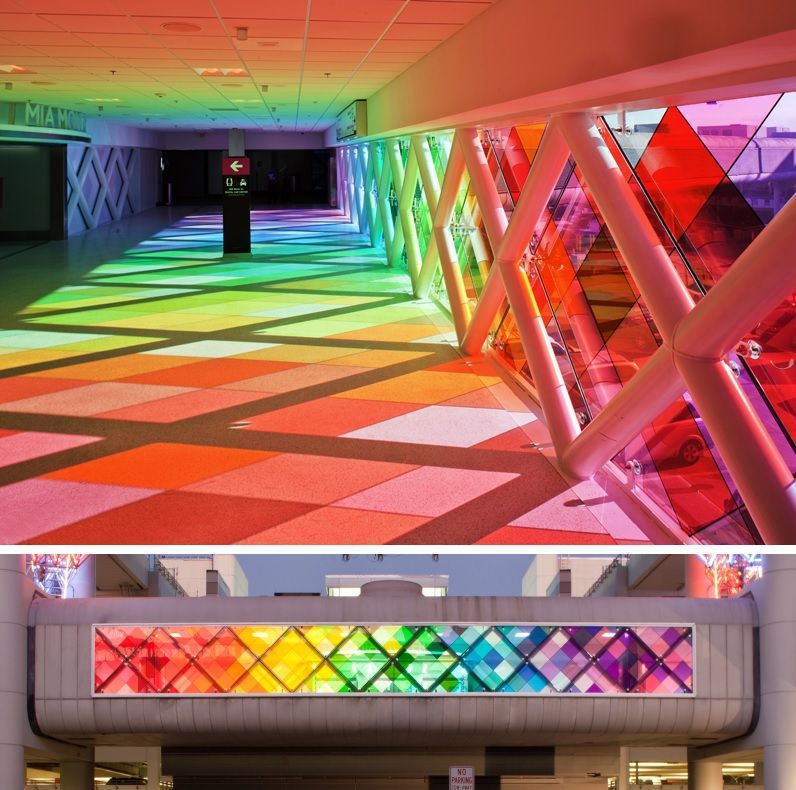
{"points": [[725, 127]]}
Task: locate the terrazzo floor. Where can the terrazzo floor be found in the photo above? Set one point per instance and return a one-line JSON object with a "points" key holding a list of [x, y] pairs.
{"points": [[155, 392]]}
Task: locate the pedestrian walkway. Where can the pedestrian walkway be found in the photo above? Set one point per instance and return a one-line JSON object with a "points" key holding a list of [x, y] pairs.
{"points": [[153, 392]]}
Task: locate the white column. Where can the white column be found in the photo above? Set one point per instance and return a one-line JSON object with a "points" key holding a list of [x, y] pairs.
{"points": [[84, 582], [697, 581], [705, 775], [777, 727], [623, 776], [13, 678], [77, 775]]}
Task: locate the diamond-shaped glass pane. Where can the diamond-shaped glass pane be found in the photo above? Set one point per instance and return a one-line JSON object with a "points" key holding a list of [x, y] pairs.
{"points": [[426, 659], [359, 659], [225, 659], [292, 659], [560, 659], [493, 660]]}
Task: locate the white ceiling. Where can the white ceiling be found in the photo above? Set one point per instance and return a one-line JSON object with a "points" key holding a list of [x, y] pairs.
{"points": [[301, 63]]}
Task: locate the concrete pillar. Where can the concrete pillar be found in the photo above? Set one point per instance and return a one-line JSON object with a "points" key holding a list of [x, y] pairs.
{"points": [[697, 581], [777, 728], [14, 675], [705, 775], [84, 582], [77, 775], [623, 776], [153, 768], [236, 142]]}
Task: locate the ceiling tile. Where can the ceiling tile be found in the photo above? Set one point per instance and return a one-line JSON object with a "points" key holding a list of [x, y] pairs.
{"points": [[419, 32], [363, 30], [84, 23], [267, 29], [23, 22], [443, 12], [186, 9], [356, 10], [262, 9]]}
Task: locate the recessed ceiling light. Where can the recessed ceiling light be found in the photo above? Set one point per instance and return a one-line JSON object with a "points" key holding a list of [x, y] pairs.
{"points": [[103, 100], [232, 85], [265, 42], [181, 27], [42, 82], [10, 69], [211, 72]]}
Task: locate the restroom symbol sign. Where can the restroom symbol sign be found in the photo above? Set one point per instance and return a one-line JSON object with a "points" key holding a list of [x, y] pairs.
{"points": [[235, 166], [461, 777]]}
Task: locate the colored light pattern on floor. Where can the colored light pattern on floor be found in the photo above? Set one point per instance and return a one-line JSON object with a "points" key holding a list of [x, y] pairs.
{"points": [[296, 396], [394, 659], [710, 177]]}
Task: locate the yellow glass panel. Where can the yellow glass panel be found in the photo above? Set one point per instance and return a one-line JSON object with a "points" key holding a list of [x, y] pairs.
{"points": [[292, 660]]}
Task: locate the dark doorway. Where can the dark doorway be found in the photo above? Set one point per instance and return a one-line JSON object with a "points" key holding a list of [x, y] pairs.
{"points": [[32, 192]]}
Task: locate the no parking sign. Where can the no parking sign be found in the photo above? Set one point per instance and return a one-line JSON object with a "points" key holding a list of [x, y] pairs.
{"points": [[461, 777]]}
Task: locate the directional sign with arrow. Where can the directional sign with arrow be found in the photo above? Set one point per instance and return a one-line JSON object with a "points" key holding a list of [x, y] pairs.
{"points": [[235, 166]]}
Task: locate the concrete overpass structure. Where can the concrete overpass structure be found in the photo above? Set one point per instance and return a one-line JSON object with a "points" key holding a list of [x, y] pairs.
{"points": [[300, 690]]}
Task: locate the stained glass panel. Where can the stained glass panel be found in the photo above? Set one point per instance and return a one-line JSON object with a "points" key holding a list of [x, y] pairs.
{"points": [[394, 659]]}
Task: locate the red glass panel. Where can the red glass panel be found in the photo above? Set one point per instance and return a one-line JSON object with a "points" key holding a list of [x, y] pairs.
{"points": [[687, 468], [159, 659], [554, 265], [678, 172], [515, 164], [720, 232], [632, 344]]}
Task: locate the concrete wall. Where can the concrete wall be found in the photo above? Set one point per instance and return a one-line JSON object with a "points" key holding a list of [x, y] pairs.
{"points": [[523, 59], [109, 182], [191, 573]]}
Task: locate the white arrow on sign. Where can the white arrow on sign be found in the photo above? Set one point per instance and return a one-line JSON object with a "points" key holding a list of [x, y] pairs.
{"points": [[235, 166]]}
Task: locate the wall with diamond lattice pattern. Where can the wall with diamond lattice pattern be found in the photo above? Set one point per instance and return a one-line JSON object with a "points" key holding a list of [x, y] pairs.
{"points": [[504, 671], [105, 183]]}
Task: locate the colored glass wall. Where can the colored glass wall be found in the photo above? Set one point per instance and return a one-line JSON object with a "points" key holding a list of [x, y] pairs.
{"points": [[403, 659], [709, 177]]}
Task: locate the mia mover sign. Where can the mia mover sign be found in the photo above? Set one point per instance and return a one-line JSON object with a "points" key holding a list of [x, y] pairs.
{"points": [[461, 777]]}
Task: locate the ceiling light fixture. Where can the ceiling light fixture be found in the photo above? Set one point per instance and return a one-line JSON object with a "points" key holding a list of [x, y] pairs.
{"points": [[181, 27], [212, 72], [242, 33]]}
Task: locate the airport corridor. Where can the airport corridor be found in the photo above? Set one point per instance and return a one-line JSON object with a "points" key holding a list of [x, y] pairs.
{"points": [[153, 391]]}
